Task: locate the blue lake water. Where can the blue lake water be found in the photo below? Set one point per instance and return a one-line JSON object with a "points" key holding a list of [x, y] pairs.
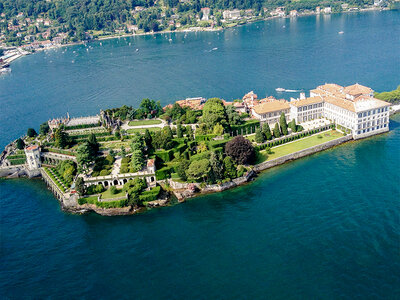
{"points": [[326, 226]]}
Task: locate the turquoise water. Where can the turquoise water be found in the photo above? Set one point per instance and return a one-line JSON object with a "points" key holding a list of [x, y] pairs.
{"points": [[325, 227]]}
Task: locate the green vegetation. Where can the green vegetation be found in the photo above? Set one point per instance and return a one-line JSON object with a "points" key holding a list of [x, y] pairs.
{"points": [[144, 122], [298, 145], [31, 132], [391, 97], [143, 130]]}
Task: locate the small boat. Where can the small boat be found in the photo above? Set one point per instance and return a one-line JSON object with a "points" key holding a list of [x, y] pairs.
{"points": [[170, 40], [5, 70], [341, 32], [280, 89], [215, 48]]}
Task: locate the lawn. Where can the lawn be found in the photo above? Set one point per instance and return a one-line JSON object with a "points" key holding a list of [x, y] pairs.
{"points": [[107, 194], [144, 122], [298, 145], [114, 145], [142, 130]]}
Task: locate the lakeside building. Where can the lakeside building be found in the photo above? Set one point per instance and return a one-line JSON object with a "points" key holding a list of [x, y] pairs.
{"points": [[231, 14], [352, 107], [33, 157], [270, 112]]}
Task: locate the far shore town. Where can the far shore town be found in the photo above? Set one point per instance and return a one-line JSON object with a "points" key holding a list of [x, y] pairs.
{"points": [[126, 160], [24, 34]]}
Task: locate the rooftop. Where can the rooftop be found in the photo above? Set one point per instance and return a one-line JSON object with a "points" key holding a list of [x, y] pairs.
{"points": [[307, 101], [33, 147], [272, 106], [357, 89]]}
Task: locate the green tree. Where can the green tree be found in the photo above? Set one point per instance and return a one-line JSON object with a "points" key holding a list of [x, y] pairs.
{"points": [[179, 133], [214, 113], [31, 132], [137, 143], [137, 160], [183, 165], [84, 155], [44, 128], [267, 131], [61, 138], [198, 169], [79, 186], [229, 168], [20, 144], [218, 129], [293, 126], [189, 133], [217, 166], [283, 124], [233, 116], [94, 145], [260, 138], [277, 132], [148, 139]]}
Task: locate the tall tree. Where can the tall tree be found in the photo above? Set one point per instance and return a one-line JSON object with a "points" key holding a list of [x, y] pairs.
{"points": [[179, 133], [84, 155], [229, 168], [31, 132], [44, 128], [20, 144], [94, 145], [267, 131], [61, 138], [260, 138], [283, 124], [137, 160], [277, 132], [214, 113], [217, 166]]}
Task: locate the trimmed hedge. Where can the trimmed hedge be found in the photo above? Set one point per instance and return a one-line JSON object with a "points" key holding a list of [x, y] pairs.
{"points": [[16, 156], [164, 173], [247, 128], [150, 195], [19, 161], [110, 204], [165, 156], [206, 137], [83, 126], [217, 144]]}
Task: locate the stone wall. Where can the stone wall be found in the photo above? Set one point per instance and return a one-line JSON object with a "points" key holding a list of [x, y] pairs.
{"points": [[301, 153]]}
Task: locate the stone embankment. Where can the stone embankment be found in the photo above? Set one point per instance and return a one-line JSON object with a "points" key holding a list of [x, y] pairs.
{"points": [[305, 152]]}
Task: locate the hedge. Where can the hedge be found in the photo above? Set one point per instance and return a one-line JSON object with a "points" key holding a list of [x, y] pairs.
{"points": [[60, 151], [86, 135], [82, 126], [16, 156], [247, 128], [19, 161], [206, 137], [164, 173], [110, 204], [181, 148], [150, 195], [202, 155], [217, 144], [165, 156], [125, 160]]}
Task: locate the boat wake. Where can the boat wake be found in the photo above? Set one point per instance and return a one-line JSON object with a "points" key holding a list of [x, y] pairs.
{"points": [[287, 91]]}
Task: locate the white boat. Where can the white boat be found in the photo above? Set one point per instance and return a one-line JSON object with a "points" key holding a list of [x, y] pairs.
{"points": [[280, 89], [341, 32]]}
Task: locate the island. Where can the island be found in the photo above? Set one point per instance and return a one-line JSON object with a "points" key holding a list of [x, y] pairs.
{"points": [[126, 160]]}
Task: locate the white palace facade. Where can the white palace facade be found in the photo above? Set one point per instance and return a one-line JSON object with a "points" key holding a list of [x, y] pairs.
{"points": [[352, 107]]}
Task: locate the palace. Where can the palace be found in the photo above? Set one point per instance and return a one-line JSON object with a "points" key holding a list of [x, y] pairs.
{"points": [[352, 107]]}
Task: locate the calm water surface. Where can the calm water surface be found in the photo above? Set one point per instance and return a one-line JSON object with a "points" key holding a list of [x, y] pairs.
{"points": [[324, 227]]}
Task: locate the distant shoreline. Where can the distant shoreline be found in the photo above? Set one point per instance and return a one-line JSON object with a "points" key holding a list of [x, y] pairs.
{"points": [[201, 29]]}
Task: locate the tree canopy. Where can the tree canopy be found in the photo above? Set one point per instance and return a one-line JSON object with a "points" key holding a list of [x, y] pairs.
{"points": [[241, 150]]}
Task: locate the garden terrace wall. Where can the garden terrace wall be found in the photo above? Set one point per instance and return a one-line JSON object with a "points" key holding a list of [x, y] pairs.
{"points": [[301, 153], [248, 128]]}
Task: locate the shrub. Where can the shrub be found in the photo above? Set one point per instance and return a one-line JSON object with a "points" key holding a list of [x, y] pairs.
{"points": [[105, 172], [164, 173], [113, 190]]}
